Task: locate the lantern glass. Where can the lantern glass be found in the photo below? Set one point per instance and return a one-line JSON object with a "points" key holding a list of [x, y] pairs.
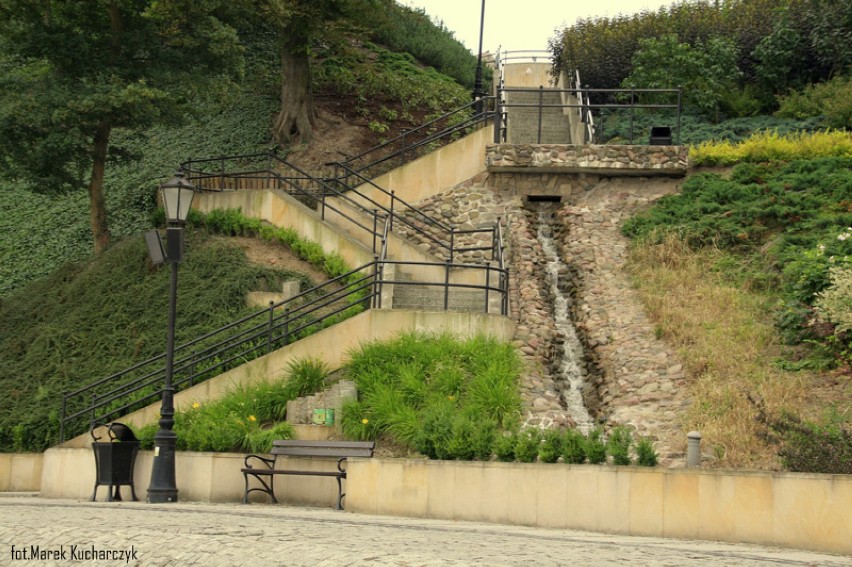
{"points": [[177, 195]]}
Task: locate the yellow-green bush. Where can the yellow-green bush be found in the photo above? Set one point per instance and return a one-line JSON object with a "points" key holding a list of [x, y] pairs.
{"points": [[771, 146]]}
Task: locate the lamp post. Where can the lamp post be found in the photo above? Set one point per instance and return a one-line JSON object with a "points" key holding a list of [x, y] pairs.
{"points": [[478, 93], [177, 195]]}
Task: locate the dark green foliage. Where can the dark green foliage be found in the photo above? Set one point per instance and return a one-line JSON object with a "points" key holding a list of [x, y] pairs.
{"points": [[806, 446], [40, 233], [616, 127], [410, 30], [618, 445], [504, 446], [573, 447], [595, 447], [550, 448], [705, 71], [527, 444], [784, 42], [646, 456], [789, 220], [89, 320], [830, 101], [440, 396]]}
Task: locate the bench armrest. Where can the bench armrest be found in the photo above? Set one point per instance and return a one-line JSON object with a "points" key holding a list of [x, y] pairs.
{"points": [[270, 463]]}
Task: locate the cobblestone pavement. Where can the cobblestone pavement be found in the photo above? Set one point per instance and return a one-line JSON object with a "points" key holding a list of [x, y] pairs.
{"points": [[67, 532]]}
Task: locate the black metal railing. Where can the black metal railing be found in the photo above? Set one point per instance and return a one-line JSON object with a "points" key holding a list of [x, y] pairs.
{"points": [[264, 331], [204, 357], [412, 143], [354, 199], [585, 106]]}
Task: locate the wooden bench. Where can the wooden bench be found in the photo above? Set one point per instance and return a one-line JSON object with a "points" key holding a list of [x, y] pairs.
{"points": [[340, 450]]}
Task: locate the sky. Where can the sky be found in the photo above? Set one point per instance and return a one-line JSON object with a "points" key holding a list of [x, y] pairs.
{"points": [[518, 25]]}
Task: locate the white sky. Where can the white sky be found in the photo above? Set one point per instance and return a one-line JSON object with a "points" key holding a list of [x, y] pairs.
{"points": [[521, 24]]}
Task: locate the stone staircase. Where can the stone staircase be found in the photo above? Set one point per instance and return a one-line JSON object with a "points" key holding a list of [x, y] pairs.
{"points": [[523, 122]]}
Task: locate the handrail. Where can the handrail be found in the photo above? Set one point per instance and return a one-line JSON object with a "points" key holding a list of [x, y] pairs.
{"points": [[387, 155], [585, 105], [258, 334]]}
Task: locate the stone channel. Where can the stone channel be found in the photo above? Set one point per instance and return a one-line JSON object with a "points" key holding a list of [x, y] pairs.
{"points": [[631, 377]]}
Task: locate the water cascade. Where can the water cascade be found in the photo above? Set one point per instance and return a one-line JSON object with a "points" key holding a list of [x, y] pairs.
{"points": [[570, 370]]}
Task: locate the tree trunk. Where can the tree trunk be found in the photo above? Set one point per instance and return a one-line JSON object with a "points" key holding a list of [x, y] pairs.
{"points": [[297, 118], [97, 203]]}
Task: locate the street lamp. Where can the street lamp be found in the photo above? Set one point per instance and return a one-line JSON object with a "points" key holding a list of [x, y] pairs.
{"points": [[177, 195], [478, 93]]}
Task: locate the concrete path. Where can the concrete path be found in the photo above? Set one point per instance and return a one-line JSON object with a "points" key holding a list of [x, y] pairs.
{"points": [[67, 532]]}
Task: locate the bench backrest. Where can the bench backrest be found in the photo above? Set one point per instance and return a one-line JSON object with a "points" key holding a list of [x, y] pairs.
{"points": [[336, 449]]}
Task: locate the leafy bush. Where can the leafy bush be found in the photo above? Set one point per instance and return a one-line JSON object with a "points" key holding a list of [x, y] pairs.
{"points": [[805, 446], [550, 448], [646, 456], [771, 146], [504, 446], [573, 447], [527, 443], [595, 447], [830, 100], [618, 445]]}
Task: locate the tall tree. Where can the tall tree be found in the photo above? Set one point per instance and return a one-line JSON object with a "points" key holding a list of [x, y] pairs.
{"points": [[75, 70], [300, 22]]}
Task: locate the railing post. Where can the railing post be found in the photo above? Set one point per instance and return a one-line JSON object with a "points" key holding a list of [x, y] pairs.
{"points": [[679, 108], [404, 143], [393, 199], [322, 206], [376, 293], [269, 332], [447, 286], [487, 283], [632, 102], [222, 173], [375, 227], [498, 116], [540, 102], [505, 307], [62, 418], [452, 243], [286, 326], [92, 418]]}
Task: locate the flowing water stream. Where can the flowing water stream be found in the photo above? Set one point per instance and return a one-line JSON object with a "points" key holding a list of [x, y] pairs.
{"points": [[570, 370]]}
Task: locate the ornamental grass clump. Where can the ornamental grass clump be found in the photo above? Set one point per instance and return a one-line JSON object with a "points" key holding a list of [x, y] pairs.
{"points": [[646, 456], [444, 397]]}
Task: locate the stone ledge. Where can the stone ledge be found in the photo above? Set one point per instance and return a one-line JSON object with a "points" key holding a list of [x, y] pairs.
{"points": [[602, 160]]}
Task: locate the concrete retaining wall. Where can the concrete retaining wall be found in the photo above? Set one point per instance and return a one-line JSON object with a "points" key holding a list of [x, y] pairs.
{"points": [[20, 472], [785, 509]]}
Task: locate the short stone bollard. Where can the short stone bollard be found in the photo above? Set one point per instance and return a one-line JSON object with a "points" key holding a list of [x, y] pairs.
{"points": [[693, 449]]}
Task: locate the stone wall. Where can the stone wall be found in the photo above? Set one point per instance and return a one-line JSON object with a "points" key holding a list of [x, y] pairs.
{"points": [[639, 160], [636, 379]]}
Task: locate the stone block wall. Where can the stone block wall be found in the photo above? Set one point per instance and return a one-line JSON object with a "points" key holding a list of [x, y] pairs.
{"points": [[640, 160]]}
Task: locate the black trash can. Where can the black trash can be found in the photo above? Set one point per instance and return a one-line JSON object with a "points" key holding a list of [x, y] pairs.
{"points": [[114, 460], [660, 136]]}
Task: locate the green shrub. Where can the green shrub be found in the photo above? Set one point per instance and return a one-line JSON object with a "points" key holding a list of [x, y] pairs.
{"points": [[526, 445], [811, 447], [573, 447], [595, 446], [646, 456], [618, 445], [504, 446], [550, 448], [830, 100]]}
